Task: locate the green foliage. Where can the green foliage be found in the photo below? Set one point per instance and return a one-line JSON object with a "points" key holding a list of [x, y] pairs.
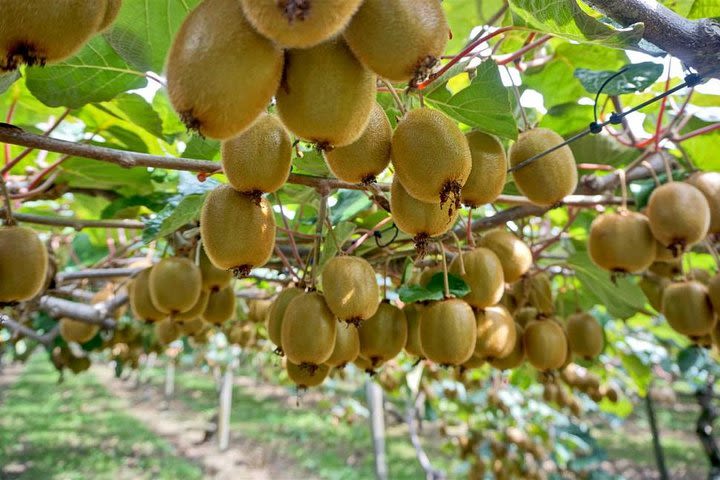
{"points": [[634, 78], [435, 289]]}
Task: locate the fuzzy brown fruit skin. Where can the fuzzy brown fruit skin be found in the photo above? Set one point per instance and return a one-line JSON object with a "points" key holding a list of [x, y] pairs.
{"points": [[709, 184], [545, 345], [483, 274], [191, 327], [366, 158], [213, 278], [175, 285], [383, 335], [220, 307], [215, 55], [241, 334], [679, 215], [36, 33], [305, 377], [299, 23], [447, 332], [237, 233], [413, 346], [166, 331], [549, 179], [350, 288], [516, 357], [622, 242], [258, 310], [77, 331], [23, 264], [331, 109], [496, 333], [308, 330], [489, 170], [195, 312], [585, 335], [258, 160], [276, 313], [714, 292], [514, 254], [111, 13], [400, 40], [431, 156], [540, 293], [653, 288], [688, 308], [140, 301], [347, 346], [525, 315], [419, 219]]}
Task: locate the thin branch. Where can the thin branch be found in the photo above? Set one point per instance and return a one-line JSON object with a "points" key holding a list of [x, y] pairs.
{"points": [[75, 223], [28, 332], [99, 273]]}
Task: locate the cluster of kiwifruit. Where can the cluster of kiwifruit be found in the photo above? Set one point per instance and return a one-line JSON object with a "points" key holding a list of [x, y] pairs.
{"points": [[513, 455], [36, 33], [558, 388]]}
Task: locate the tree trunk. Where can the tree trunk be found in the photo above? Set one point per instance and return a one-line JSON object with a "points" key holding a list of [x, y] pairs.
{"points": [[704, 429], [377, 427], [657, 446], [224, 409], [169, 379]]}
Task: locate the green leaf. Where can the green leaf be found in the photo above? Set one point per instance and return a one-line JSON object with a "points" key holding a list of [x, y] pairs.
{"points": [[458, 287], [484, 105], [349, 204], [568, 118], [638, 371], [556, 82], [86, 252], [7, 79], [96, 74], [155, 202], [84, 173], [310, 163], [705, 9], [202, 149], [702, 148], [140, 112], [688, 358], [636, 78], [415, 293], [341, 232], [173, 217], [593, 147]]}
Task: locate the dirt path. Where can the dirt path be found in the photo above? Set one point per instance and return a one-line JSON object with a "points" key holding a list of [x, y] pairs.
{"points": [[183, 429]]}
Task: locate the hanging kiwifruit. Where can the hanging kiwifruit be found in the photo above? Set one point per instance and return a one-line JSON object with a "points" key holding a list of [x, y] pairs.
{"points": [[447, 332], [192, 326], [489, 170], [140, 301], [539, 288], [364, 159], [516, 357], [483, 273], [299, 23], [473, 362], [653, 287], [514, 254], [550, 178], [364, 364], [709, 184], [383, 335], [36, 33], [305, 377], [401, 40], [276, 313], [350, 288], [332, 109], [175, 285], [679, 215], [667, 269], [220, 306], [308, 330], [688, 309], [213, 278], [258, 309], [237, 233], [166, 331], [347, 346], [111, 12], [585, 335], [258, 160], [545, 344], [714, 292], [621, 242], [431, 156], [77, 331], [525, 315], [196, 311], [496, 333], [241, 334], [23, 264], [419, 219], [221, 73], [412, 314]]}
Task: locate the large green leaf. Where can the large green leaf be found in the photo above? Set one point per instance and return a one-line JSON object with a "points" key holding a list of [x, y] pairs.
{"points": [[83, 173], [703, 148], [137, 110], [172, 218], [705, 9], [556, 82], [636, 78]]}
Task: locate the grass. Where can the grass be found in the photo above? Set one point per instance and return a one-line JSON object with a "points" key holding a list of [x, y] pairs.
{"points": [[75, 430]]}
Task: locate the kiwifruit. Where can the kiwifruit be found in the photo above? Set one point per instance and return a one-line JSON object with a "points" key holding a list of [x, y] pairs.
{"points": [[305, 377], [667, 269], [496, 333], [192, 326], [166, 331], [412, 314], [350, 288], [540, 293], [662, 253], [220, 306], [516, 357], [237, 233], [679, 215], [221, 84], [111, 13], [347, 346], [447, 332], [195, 312], [77, 331], [545, 344], [473, 362], [585, 334], [141, 303], [401, 40], [332, 109], [700, 275], [277, 312], [704, 341], [714, 292], [419, 219], [383, 335], [431, 156], [514, 254], [363, 364], [79, 364], [308, 330], [653, 287], [525, 315], [213, 278], [36, 33], [550, 178], [489, 170], [23, 262], [688, 309], [258, 160], [175, 285], [364, 159], [483, 274], [299, 23], [258, 309], [621, 242], [241, 334], [709, 184]]}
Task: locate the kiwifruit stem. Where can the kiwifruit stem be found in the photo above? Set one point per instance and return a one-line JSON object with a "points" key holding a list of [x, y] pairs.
{"points": [[446, 282], [460, 257]]}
